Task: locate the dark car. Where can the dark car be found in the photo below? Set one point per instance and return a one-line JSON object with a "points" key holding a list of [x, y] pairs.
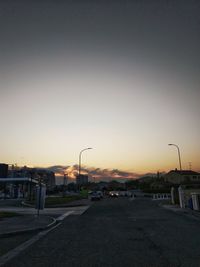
{"points": [[95, 196]]}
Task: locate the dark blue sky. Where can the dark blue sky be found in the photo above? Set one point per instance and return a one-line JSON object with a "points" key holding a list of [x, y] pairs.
{"points": [[156, 30]]}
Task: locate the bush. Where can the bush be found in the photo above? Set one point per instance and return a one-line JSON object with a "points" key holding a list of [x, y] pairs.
{"points": [[157, 191]]}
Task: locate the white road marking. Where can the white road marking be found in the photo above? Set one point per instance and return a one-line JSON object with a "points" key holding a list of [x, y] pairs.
{"points": [[81, 210], [16, 251], [63, 216]]}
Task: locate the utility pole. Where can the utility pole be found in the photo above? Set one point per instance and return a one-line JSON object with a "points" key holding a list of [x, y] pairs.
{"points": [[190, 165]]}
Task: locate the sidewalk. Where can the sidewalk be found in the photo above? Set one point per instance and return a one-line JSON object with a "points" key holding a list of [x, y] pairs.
{"points": [[28, 220], [24, 223], [186, 211]]}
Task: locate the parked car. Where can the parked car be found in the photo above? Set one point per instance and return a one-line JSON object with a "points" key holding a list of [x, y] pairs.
{"points": [[95, 196], [100, 194]]}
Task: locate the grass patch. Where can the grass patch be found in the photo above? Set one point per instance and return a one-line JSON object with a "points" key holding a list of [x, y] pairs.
{"points": [[8, 214], [61, 200], [51, 201]]}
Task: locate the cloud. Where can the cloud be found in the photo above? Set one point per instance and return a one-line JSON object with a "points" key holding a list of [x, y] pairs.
{"points": [[96, 173]]}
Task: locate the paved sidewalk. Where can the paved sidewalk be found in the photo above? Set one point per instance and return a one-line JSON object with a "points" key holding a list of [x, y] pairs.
{"points": [[28, 220], [187, 211], [24, 223]]}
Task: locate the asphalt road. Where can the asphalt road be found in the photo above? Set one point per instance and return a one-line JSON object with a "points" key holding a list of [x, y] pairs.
{"points": [[118, 232]]}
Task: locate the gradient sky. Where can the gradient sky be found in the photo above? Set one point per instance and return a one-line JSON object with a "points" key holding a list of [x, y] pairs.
{"points": [[119, 76]]}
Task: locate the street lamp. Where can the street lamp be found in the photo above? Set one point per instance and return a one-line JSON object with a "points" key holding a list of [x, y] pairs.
{"points": [[179, 156], [80, 154]]}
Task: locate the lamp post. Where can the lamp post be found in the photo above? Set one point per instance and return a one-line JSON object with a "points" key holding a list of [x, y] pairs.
{"points": [[80, 154], [179, 155]]}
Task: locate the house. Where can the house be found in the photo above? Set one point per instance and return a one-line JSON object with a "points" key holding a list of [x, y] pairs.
{"points": [[183, 176]]}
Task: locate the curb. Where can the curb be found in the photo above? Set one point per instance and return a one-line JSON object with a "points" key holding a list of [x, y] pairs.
{"points": [[67, 206], [56, 206], [27, 205], [30, 230]]}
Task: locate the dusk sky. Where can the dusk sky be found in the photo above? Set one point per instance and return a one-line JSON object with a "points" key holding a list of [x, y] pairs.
{"points": [[121, 77]]}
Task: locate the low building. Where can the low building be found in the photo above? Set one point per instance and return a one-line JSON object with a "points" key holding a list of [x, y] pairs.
{"points": [[20, 181], [19, 187], [45, 176], [184, 176]]}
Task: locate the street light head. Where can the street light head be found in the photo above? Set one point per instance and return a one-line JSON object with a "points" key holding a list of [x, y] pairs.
{"points": [[89, 148], [172, 145]]}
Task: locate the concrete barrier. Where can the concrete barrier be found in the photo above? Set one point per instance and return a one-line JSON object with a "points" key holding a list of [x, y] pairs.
{"points": [[161, 196]]}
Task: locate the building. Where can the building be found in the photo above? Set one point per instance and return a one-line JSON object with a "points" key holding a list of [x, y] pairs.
{"points": [[19, 187], [3, 170], [81, 179], [20, 182], [45, 176], [184, 176]]}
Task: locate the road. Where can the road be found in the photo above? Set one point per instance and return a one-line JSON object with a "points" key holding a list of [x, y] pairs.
{"points": [[118, 232]]}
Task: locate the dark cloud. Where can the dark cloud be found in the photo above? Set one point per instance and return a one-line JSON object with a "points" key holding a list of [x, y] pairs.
{"points": [[97, 173]]}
